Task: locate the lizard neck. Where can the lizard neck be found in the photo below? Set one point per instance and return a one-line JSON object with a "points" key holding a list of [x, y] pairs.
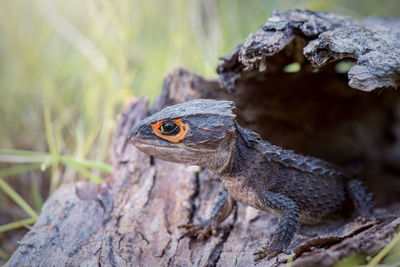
{"points": [[244, 153]]}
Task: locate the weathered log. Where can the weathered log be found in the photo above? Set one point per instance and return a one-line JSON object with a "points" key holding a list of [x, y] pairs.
{"points": [[132, 218]]}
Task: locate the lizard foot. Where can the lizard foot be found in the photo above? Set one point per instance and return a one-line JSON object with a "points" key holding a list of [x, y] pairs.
{"points": [[266, 252], [201, 231]]}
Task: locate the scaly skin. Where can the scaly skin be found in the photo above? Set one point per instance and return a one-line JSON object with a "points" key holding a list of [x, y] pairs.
{"points": [[295, 187]]}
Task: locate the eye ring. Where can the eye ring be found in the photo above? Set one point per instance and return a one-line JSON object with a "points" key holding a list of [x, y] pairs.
{"points": [[172, 135], [169, 128]]}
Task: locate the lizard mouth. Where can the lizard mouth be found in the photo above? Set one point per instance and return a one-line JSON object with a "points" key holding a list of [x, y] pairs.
{"points": [[151, 145], [140, 141], [155, 148], [162, 146]]}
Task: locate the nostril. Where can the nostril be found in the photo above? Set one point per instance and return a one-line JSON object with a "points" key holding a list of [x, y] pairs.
{"points": [[133, 133]]}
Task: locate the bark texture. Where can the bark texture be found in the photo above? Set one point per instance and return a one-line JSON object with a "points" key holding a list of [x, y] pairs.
{"points": [[132, 218]]}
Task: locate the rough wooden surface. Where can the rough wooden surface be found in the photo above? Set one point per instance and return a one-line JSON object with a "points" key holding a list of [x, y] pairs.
{"points": [[132, 218], [323, 38]]}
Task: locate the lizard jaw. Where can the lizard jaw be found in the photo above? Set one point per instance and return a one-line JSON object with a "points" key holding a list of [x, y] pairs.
{"points": [[175, 152]]}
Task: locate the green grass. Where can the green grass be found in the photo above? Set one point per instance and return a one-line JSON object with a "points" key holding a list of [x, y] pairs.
{"points": [[39, 160], [68, 67], [17, 199], [43, 160], [388, 256]]}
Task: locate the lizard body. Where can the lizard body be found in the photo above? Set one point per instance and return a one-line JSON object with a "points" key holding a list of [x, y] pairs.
{"points": [[295, 187]]}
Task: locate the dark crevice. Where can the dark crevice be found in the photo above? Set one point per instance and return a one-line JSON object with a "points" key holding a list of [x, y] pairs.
{"points": [[97, 254], [124, 145], [143, 237], [98, 251], [101, 204], [240, 253], [173, 256], [165, 249], [167, 226], [120, 239], [107, 208], [216, 253], [76, 250], [118, 220], [151, 189], [111, 252], [169, 261], [194, 196]]}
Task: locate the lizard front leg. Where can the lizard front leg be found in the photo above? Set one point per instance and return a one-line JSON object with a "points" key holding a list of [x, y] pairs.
{"points": [[287, 225], [222, 209]]}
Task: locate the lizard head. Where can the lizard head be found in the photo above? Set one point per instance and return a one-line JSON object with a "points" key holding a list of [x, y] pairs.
{"points": [[198, 132]]}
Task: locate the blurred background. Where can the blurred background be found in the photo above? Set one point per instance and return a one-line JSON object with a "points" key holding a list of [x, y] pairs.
{"points": [[68, 67]]}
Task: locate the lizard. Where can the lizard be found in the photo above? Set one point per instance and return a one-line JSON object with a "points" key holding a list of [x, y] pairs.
{"points": [[295, 187]]}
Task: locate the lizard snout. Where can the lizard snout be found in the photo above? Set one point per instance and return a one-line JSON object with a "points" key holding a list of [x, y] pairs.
{"points": [[139, 132], [133, 134]]}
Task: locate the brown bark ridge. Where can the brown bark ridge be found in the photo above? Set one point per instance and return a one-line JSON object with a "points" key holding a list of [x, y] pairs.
{"points": [[132, 218]]}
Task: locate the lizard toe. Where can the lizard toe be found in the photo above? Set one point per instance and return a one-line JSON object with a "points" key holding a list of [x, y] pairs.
{"points": [[200, 231], [265, 252]]}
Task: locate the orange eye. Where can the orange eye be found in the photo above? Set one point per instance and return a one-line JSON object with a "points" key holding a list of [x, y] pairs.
{"points": [[171, 130]]}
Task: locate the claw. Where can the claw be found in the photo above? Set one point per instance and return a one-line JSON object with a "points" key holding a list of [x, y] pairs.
{"points": [[264, 252], [259, 256], [200, 231], [214, 232], [188, 225], [263, 249], [258, 252], [204, 234]]}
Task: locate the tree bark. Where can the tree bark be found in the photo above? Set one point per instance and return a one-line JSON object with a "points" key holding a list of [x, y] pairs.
{"points": [[132, 218]]}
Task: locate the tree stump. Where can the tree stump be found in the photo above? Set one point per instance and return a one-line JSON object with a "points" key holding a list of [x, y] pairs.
{"points": [[132, 218]]}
